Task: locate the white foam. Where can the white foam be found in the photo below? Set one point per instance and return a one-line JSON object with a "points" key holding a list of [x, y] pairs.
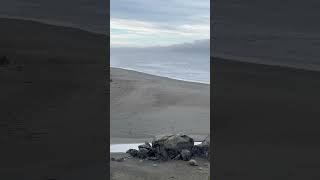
{"points": [[122, 148]]}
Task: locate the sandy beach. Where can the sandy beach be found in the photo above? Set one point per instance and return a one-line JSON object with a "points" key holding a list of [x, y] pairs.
{"points": [[144, 105]]}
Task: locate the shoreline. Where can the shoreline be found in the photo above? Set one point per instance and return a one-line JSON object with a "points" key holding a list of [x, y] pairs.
{"points": [[177, 79]]}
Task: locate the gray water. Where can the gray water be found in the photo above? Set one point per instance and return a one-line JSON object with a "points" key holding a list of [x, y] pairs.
{"points": [[194, 67]]}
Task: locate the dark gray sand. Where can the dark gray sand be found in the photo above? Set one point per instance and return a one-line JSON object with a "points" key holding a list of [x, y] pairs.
{"points": [[134, 169], [143, 106]]}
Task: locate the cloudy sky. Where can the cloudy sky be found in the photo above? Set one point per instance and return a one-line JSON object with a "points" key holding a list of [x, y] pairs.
{"points": [[144, 23]]}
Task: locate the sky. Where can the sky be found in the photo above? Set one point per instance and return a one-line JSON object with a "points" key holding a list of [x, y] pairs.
{"points": [[146, 23]]}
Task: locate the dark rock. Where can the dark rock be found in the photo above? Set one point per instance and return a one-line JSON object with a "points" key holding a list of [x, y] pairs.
{"points": [[169, 146], [143, 153], [174, 142], [160, 153], [133, 152], [163, 154], [145, 146], [178, 157], [185, 155]]}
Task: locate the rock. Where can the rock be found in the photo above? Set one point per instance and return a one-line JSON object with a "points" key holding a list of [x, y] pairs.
{"points": [[146, 145], [132, 152], [141, 160], [185, 155], [177, 157], [174, 142], [193, 162], [200, 168], [161, 153], [154, 165], [169, 146], [113, 159], [143, 153]]}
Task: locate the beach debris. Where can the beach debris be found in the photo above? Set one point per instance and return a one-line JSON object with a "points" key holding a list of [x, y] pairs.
{"points": [[175, 142], [146, 145], [177, 157], [141, 160], [193, 162], [133, 152], [200, 168], [161, 153], [185, 155], [154, 165], [171, 147], [143, 153]]}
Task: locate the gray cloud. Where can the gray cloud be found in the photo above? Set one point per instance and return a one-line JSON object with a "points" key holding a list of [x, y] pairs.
{"points": [[198, 46], [164, 11]]}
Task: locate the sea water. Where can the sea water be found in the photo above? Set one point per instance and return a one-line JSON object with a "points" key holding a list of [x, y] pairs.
{"points": [[194, 67]]}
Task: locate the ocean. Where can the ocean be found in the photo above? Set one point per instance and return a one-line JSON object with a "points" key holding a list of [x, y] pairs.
{"points": [[193, 67]]}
